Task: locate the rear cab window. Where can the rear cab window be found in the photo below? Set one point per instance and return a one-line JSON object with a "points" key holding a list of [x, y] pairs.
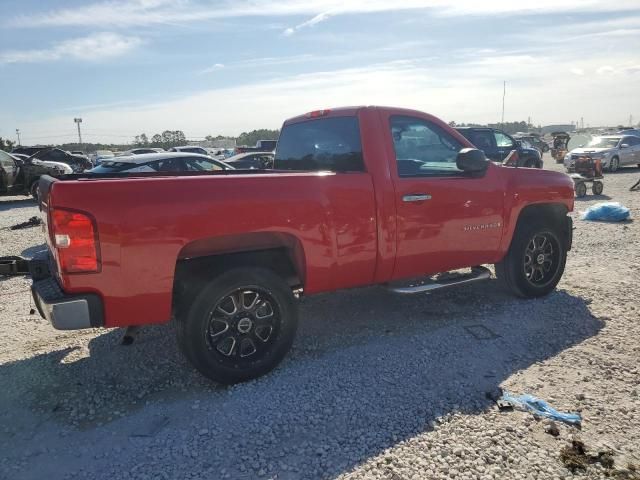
{"points": [[324, 144]]}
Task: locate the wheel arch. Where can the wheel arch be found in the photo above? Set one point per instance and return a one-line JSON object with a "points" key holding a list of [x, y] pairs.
{"points": [[555, 213], [199, 261]]}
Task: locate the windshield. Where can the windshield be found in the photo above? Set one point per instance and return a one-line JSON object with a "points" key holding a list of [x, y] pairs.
{"points": [[601, 142]]}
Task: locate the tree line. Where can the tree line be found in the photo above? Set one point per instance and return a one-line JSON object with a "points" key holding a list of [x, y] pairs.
{"points": [[174, 138]]}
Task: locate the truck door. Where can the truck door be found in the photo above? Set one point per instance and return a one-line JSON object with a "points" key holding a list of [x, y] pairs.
{"points": [[629, 153], [634, 145], [504, 145], [446, 219]]}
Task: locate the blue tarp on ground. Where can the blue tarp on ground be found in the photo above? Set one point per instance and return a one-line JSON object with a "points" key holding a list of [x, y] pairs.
{"points": [[606, 212], [540, 407]]}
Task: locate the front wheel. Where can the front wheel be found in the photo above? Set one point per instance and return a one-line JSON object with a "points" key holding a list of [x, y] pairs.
{"points": [[614, 165], [535, 261], [240, 326]]}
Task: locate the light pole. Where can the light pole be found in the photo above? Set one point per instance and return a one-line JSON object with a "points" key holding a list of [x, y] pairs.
{"points": [[18, 134], [78, 121]]}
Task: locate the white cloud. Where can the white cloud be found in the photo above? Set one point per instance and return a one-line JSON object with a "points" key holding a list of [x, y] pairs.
{"points": [[127, 13], [464, 91], [95, 47], [321, 17], [606, 70], [213, 68], [577, 71]]}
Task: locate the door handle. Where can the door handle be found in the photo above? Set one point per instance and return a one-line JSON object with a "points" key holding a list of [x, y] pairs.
{"points": [[418, 197]]}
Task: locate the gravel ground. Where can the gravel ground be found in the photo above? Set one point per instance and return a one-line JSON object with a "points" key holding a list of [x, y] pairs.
{"points": [[377, 386]]}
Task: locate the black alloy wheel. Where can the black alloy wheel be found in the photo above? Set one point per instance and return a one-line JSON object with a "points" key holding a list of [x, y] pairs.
{"points": [[541, 259], [242, 325]]}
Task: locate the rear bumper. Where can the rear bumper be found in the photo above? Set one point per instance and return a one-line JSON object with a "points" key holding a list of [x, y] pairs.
{"points": [[67, 312]]}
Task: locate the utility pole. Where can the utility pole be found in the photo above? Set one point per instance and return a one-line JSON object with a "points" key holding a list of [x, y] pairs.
{"points": [[18, 134], [631, 120], [78, 121], [504, 93], [581, 122]]}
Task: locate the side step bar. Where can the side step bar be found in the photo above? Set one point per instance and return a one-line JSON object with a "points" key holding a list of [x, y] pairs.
{"points": [[477, 274]]}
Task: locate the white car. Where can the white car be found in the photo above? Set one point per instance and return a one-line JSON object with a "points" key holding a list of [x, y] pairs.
{"points": [[160, 162], [614, 151]]}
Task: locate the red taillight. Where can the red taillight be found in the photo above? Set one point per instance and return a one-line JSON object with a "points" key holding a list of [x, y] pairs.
{"points": [[75, 240], [318, 113]]}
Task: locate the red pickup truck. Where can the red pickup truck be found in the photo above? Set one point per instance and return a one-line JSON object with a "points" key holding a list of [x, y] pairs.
{"points": [[359, 196]]}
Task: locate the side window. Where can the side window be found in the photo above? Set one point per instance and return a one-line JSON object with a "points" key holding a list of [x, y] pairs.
{"points": [[322, 144], [632, 141], [423, 148], [503, 141], [170, 165], [482, 140], [200, 165], [6, 161], [57, 155]]}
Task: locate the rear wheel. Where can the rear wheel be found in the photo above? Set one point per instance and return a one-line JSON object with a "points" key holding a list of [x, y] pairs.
{"points": [[581, 189], [597, 188], [535, 261], [240, 325]]}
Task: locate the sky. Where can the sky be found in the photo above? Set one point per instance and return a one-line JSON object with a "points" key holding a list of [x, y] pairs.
{"points": [[205, 67]]}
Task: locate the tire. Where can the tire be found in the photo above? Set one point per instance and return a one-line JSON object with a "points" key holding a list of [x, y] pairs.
{"points": [[239, 326], [33, 190], [614, 164], [597, 188], [581, 189], [521, 271]]}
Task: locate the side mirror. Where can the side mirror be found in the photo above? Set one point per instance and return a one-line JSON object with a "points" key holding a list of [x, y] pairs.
{"points": [[471, 160], [624, 145]]}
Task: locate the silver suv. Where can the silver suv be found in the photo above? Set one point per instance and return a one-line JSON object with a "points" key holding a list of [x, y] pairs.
{"points": [[614, 151]]}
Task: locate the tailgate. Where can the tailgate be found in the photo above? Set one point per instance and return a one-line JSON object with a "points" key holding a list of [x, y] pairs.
{"points": [[44, 191]]}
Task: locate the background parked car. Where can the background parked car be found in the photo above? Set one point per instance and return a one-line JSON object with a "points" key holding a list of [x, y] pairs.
{"points": [[253, 160], [534, 140], [140, 151], [20, 176], [76, 162], [497, 145], [613, 151], [630, 131], [28, 151], [190, 149], [99, 155], [261, 146], [161, 162]]}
